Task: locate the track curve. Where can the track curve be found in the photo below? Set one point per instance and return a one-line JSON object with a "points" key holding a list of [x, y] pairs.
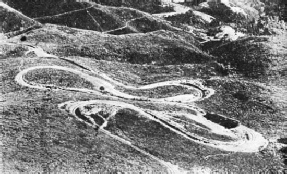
{"points": [[243, 138]]}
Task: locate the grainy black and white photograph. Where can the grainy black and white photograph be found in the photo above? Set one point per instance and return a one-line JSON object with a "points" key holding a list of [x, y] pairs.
{"points": [[143, 86]]}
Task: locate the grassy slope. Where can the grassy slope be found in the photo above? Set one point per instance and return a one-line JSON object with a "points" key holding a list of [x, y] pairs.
{"points": [[249, 56], [61, 137], [88, 16], [96, 19], [160, 47], [47, 8], [38, 137], [108, 18], [80, 19], [253, 56], [150, 7], [60, 77], [252, 8], [222, 12]]}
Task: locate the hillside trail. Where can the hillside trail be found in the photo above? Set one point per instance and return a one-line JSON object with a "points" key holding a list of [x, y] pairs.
{"points": [[243, 138], [126, 25], [65, 13]]}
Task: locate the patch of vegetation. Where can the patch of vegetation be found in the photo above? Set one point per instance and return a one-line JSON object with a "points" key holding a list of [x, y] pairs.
{"points": [[161, 92], [9, 51], [250, 56], [222, 12], [121, 31], [68, 141], [154, 47], [244, 101], [98, 18], [284, 154], [150, 7], [58, 78], [223, 121], [147, 24], [165, 144], [14, 21], [124, 13], [46, 8], [79, 19], [193, 130], [282, 140], [105, 19], [188, 18], [38, 137]]}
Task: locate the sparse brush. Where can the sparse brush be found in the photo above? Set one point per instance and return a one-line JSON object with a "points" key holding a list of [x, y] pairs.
{"points": [[251, 57], [188, 18]]}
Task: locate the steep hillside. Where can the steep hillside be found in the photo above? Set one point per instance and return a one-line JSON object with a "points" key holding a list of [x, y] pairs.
{"points": [[115, 20], [35, 9], [52, 7], [227, 12], [89, 16], [253, 57], [147, 6], [12, 20], [256, 4], [160, 47], [108, 19], [39, 137]]}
